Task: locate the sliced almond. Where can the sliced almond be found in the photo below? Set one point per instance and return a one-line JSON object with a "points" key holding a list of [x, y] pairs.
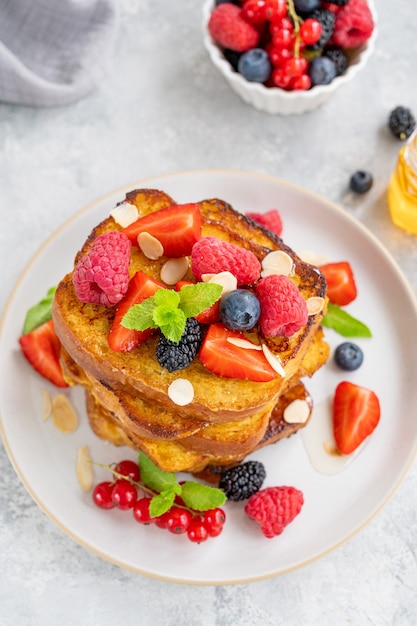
{"points": [[273, 360], [64, 416], [315, 305], [181, 391], [297, 412], [227, 280], [124, 214], [174, 270], [243, 343], [151, 247], [277, 262], [47, 404], [84, 469], [314, 259]]}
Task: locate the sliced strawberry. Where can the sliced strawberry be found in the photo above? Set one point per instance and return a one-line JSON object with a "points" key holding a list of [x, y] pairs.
{"points": [[341, 286], [229, 361], [177, 228], [122, 339], [356, 414], [41, 348], [209, 315]]}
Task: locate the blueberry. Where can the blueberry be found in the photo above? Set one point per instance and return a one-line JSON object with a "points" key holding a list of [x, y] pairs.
{"points": [[361, 181], [306, 6], [239, 309], [348, 356], [254, 65], [322, 70]]}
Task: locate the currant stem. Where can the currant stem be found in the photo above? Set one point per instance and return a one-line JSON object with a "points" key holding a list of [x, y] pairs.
{"points": [[297, 23]]}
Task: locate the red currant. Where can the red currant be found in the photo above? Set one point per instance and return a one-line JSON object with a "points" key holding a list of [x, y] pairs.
{"points": [[214, 517], [102, 495], [278, 55], [280, 78], [124, 495], [128, 468], [196, 531], [254, 11], [141, 511], [283, 38], [310, 31], [277, 25], [295, 67], [178, 520], [301, 83], [275, 9]]}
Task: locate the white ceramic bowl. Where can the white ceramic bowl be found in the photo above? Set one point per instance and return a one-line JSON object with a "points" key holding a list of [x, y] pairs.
{"points": [[273, 99]]}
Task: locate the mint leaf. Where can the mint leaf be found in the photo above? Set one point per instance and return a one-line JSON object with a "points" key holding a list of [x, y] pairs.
{"points": [[153, 477], [201, 497], [343, 323], [39, 313], [171, 323], [167, 298], [161, 503], [195, 299], [140, 316]]}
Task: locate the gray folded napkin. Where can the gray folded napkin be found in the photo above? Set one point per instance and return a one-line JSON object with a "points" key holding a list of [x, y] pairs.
{"points": [[53, 52]]}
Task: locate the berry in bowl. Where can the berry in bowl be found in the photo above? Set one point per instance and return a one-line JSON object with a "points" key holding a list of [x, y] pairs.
{"points": [[288, 56]]}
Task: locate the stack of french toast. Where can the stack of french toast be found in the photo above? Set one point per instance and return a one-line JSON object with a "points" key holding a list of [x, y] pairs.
{"points": [[127, 398]]}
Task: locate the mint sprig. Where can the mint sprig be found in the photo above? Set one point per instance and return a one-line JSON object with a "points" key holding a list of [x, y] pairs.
{"points": [[168, 309], [343, 323], [39, 313]]}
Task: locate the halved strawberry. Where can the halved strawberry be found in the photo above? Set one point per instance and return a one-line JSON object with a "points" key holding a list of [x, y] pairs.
{"points": [[41, 348], [209, 315], [122, 339], [229, 361], [177, 228], [341, 286], [356, 414]]}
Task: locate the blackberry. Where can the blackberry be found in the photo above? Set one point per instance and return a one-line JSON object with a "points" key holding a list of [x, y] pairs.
{"points": [[327, 20], [242, 481], [176, 356], [401, 122], [339, 58], [233, 57]]}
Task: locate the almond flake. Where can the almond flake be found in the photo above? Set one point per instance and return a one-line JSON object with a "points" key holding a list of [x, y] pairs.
{"points": [[313, 259], [315, 305], [47, 404], [151, 247], [181, 391], [297, 412], [273, 360], [227, 280], [243, 343], [64, 416], [124, 214], [84, 469], [174, 270], [277, 262]]}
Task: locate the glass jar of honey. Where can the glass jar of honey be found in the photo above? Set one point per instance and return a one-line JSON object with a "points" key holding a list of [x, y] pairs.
{"points": [[402, 190]]}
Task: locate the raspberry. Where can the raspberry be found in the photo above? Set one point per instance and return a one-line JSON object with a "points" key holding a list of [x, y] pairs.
{"points": [[211, 256], [270, 220], [283, 309], [274, 508], [241, 482], [229, 29], [102, 275], [354, 25]]}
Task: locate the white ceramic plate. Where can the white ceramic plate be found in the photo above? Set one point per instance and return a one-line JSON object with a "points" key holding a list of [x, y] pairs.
{"points": [[336, 506]]}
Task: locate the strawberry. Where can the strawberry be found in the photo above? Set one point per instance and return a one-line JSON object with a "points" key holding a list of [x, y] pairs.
{"points": [[270, 220], [341, 286], [122, 339], [177, 228], [356, 414], [208, 316], [225, 359], [41, 348]]}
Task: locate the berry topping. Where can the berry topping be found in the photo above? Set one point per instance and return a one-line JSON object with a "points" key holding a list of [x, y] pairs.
{"points": [[212, 256], [270, 220], [254, 65], [339, 58], [341, 285], [306, 6], [41, 347], [322, 71], [239, 309], [361, 181], [327, 21], [401, 122], [354, 24], [176, 356], [274, 508], [230, 29], [102, 275], [176, 227], [283, 309], [356, 414], [348, 356], [224, 358], [122, 339], [241, 482]]}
